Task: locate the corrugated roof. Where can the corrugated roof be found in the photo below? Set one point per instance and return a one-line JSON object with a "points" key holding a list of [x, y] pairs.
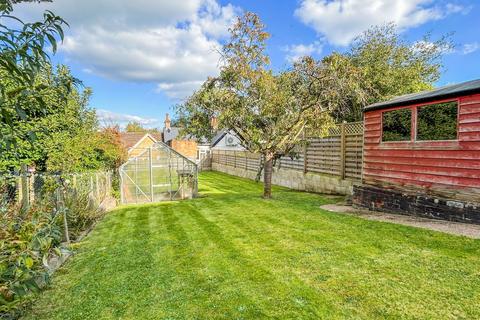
{"points": [[446, 92]]}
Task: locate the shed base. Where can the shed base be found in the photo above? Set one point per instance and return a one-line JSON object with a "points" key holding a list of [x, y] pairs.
{"points": [[375, 198]]}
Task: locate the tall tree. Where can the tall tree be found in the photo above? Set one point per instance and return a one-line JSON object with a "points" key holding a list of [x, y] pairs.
{"points": [[270, 112], [67, 133], [23, 54], [135, 126], [385, 66]]}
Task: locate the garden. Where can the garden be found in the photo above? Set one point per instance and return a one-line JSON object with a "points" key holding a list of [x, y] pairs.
{"points": [[229, 254]]}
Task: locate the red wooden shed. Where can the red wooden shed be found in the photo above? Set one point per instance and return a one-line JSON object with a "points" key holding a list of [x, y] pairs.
{"points": [[422, 154]]}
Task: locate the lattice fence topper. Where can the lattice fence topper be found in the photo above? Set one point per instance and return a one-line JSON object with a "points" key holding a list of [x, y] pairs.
{"points": [[339, 154], [354, 128], [158, 173]]}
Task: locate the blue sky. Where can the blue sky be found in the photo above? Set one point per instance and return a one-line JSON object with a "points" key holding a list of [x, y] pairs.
{"points": [[142, 57]]}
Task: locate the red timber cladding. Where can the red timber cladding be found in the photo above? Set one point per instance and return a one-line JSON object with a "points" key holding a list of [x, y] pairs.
{"points": [[436, 165]]}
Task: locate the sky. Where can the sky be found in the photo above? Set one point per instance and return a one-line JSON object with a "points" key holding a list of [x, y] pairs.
{"points": [[143, 57]]}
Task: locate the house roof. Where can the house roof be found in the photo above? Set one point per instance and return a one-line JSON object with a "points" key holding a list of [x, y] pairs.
{"points": [[446, 92], [170, 133], [130, 139], [219, 136]]}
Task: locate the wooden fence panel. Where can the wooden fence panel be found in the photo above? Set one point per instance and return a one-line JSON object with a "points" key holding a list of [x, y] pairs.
{"points": [[339, 154], [323, 155]]}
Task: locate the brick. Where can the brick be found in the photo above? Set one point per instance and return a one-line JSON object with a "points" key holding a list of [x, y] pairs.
{"points": [[413, 204]]}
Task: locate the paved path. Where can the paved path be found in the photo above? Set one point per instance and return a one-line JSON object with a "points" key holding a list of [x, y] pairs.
{"points": [[462, 229]]}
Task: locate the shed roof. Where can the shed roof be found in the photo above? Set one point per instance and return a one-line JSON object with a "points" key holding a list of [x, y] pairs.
{"points": [[446, 92]]}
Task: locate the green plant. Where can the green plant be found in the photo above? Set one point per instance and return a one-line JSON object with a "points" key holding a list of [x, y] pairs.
{"points": [[27, 240], [269, 111], [81, 210]]}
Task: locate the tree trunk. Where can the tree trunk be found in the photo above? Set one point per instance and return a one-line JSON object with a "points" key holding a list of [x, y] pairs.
{"points": [[267, 177]]}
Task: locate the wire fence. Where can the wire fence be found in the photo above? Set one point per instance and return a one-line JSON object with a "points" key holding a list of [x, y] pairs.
{"points": [[69, 193], [40, 214]]}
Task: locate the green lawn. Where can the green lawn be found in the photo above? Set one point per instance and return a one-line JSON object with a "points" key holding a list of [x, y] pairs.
{"points": [[232, 255]]}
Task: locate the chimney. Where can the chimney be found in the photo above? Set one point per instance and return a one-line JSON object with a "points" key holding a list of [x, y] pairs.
{"points": [[167, 121], [214, 123]]}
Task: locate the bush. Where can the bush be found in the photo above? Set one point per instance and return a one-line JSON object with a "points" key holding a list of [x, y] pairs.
{"points": [[27, 240], [82, 211]]}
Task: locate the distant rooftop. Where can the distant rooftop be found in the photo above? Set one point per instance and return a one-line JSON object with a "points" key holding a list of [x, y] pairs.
{"points": [[446, 92], [129, 139]]}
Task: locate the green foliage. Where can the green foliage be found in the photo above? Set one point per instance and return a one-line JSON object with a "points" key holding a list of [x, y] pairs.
{"points": [[22, 56], [397, 125], [135, 126], [44, 119], [27, 240], [437, 121], [383, 65], [66, 136], [270, 112]]}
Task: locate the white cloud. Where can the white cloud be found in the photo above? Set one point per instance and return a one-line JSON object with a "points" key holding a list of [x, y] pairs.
{"points": [[170, 43], [180, 89], [297, 51], [122, 119], [430, 46], [340, 21], [470, 47]]}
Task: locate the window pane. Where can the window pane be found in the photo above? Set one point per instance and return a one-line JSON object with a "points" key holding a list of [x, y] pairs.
{"points": [[397, 125], [437, 122]]}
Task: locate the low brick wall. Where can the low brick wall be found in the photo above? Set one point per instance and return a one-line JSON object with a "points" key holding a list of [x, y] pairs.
{"points": [[295, 179], [374, 198]]}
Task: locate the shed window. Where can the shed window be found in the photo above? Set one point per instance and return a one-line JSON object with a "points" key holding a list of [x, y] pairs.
{"points": [[437, 121], [397, 125]]}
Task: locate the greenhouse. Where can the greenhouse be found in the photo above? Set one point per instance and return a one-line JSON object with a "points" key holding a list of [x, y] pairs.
{"points": [[158, 173]]}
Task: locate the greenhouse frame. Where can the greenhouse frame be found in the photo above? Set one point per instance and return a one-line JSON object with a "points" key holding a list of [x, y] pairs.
{"points": [[158, 173]]}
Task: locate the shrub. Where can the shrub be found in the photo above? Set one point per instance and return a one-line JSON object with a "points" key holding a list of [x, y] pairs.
{"points": [[27, 240]]}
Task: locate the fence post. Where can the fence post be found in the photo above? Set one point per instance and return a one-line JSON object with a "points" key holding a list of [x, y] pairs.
{"points": [[19, 193], [151, 172], [304, 137], [97, 187], [342, 150], [25, 187], [234, 159], [91, 187], [61, 208], [31, 187]]}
